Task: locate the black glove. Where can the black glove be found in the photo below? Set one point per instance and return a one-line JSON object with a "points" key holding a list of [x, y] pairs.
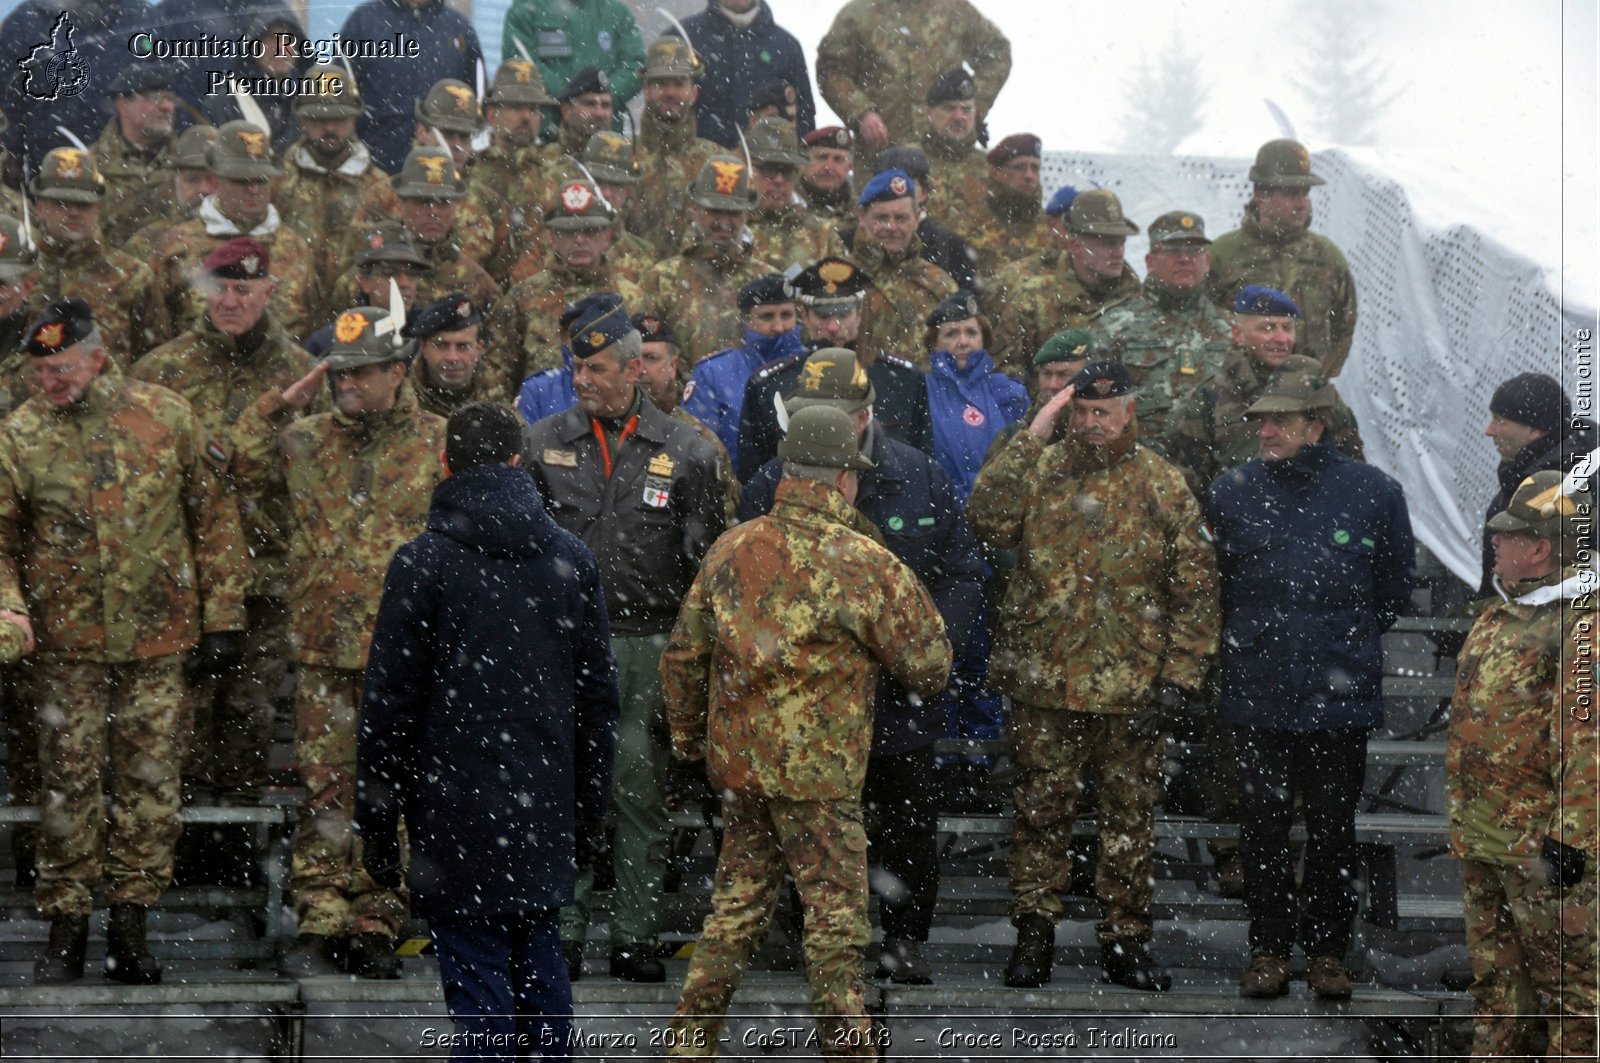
{"points": [[382, 863], [218, 654], [685, 782], [1564, 863], [588, 843], [1166, 710]]}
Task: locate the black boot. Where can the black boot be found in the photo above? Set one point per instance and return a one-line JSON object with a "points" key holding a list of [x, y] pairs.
{"points": [[128, 959], [572, 956], [371, 955], [1128, 963], [637, 963], [1034, 954], [63, 955]]}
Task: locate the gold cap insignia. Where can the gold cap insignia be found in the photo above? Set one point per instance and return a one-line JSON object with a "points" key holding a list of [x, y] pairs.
{"points": [[727, 175], [1186, 221], [69, 162], [330, 84], [833, 274], [432, 168], [811, 375], [51, 335], [255, 144], [349, 327], [597, 339]]}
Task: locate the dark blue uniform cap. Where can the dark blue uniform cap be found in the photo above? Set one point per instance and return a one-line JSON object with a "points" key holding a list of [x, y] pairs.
{"points": [[589, 79], [1259, 300], [450, 314], [597, 321], [653, 329], [61, 325], [765, 290], [957, 307]]}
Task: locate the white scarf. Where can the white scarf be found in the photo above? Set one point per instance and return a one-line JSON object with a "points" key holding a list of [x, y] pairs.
{"points": [[744, 21], [218, 225], [358, 163]]}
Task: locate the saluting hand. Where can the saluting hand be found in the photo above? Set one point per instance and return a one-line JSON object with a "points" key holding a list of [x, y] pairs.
{"points": [[302, 391], [1044, 422]]}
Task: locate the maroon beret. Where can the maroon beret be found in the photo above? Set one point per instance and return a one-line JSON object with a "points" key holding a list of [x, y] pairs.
{"points": [[1014, 145], [240, 259], [829, 136]]}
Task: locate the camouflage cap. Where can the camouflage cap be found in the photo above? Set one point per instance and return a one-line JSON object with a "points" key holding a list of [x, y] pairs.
{"points": [[519, 81], [191, 151], [68, 175], [336, 95], [1071, 345], [242, 152], [823, 435], [1284, 164], [1179, 227], [577, 207], [723, 184], [1098, 212], [832, 377], [390, 241], [1297, 386], [428, 173], [366, 335], [671, 57], [1538, 507], [609, 157], [450, 105], [17, 259], [773, 141]]}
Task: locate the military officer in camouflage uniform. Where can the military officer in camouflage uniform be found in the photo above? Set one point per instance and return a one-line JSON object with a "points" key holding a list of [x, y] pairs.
{"points": [[358, 481], [510, 169], [221, 365], [1092, 673], [1522, 782], [1208, 433], [769, 679], [825, 178], [878, 59], [1010, 223], [525, 322], [192, 182], [1169, 335], [241, 162], [645, 493], [785, 230], [99, 466], [586, 105], [888, 248], [958, 180], [446, 371], [669, 148], [134, 151], [1274, 246], [328, 172], [75, 261], [606, 162], [1067, 285], [696, 289], [387, 252], [20, 301]]}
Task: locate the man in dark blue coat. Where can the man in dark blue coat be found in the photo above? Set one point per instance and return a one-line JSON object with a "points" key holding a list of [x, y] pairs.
{"points": [[744, 51], [1316, 555], [911, 500], [488, 723]]}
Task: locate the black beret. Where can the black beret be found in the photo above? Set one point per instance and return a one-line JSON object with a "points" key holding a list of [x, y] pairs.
{"points": [[450, 314], [956, 307], [140, 77], [764, 291], [1105, 379], [653, 329], [904, 157], [589, 79], [952, 85], [61, 325]]}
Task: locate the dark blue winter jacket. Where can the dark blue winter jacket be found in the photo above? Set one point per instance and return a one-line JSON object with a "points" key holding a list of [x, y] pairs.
{"points": [[1316, 557], [968, 408], [715, 392], [489, 716], [738, 62], [913, 504]]}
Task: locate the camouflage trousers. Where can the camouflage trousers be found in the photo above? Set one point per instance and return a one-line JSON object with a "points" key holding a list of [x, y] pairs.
{"points": [[22, 753], [1534, 959], [232, 717], [333, 894], [91, 716], [823, 845], [1053, 749]]}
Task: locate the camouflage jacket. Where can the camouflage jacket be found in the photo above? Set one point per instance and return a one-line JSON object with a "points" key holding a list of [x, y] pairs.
{"points": [[525, 324], [1001, 231], [138, 185], [441, 402], [116, 534], [143, 243], [317, 202], [221, 376], [298, 300], [1114, 589], [357, 489], [1207, 433], [669, 158], [1169, 342], [473, 233], [1307, 267], [958, 182], [911, 287], [120, 290], [697, 290], [1522, 754], [883, 54], [771, 669], [793, 236], [453, 271], [508, 185], [1036, 297]]}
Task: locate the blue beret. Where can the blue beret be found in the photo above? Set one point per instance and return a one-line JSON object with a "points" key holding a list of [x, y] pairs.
{"points": [[1061, 201], [956, 307], [450, 314], [1106, 379], [765, 290], [1260, 300], [595, 323], [61, 325], [890, 184]]}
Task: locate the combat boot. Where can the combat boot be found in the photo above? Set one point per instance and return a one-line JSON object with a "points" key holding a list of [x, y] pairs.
{"points": [[311, 956], [1267, 976], [1129, 963], [1034, 954], [1329, 980], [128, 958], [902, 963], [637, 963], [371, 955], [63, 954]]}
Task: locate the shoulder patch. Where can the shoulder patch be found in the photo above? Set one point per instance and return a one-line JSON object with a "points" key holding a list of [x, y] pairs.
{"points": [[216, 455]]}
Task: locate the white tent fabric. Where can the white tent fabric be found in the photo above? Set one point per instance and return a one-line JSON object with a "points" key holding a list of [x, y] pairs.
{"points": [[1444, 317]]}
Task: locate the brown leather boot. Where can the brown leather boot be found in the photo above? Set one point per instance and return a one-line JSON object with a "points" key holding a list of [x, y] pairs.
{"points": [[128, 959], [1267, 976], [63, 954], [1329, 980]]}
